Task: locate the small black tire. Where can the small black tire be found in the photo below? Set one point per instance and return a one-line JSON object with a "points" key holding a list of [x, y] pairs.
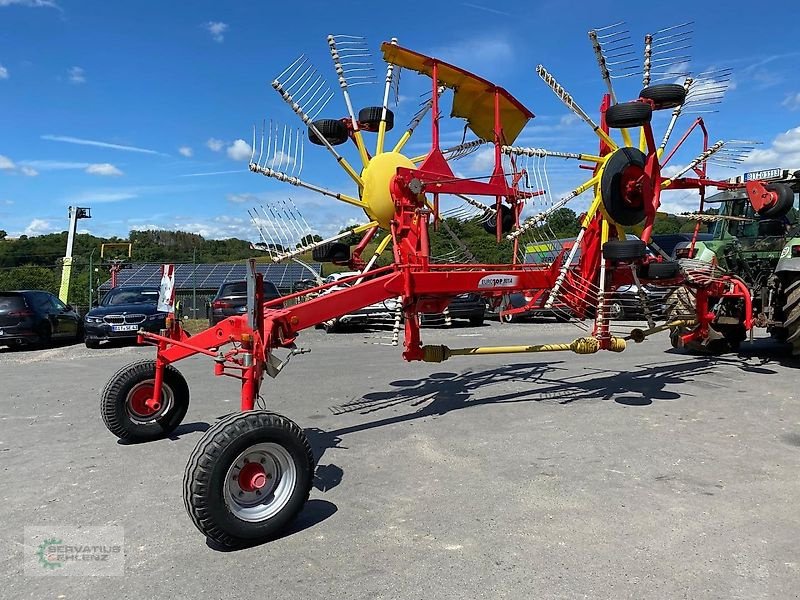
{"points": [[92, 344], [661, 270], [664, 95], [333, 130], [331, 252], [783, 204], [476, 321], [122, 397], [507, 216], [369, 118], [624, 249], [628, 114], [219, 505]]}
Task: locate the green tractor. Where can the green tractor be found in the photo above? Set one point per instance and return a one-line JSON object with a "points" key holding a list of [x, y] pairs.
{"points": [[748, 274]]}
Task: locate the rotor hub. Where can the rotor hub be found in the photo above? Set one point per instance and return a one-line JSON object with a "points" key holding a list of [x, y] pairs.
{"points": [[377, 177]]}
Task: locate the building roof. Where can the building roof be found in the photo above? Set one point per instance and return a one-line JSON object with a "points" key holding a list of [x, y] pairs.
{"points": [[189, 276]]}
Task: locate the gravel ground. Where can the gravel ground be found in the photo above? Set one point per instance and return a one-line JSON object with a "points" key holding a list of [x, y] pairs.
{"points": [[647, 474]]}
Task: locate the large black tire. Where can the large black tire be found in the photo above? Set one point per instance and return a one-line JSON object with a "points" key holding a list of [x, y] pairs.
{"points": [[623, 165], [369, 118], [507, 216], [331, 252], [791, 315], [122, 400], [476, 321], [624, 249], [628, 114], [667, 269], [664, 95], [216, 493], [92, 344], [332, 130], [784, 203]]}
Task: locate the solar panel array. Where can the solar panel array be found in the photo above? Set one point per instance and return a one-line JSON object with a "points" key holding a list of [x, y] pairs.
{"points": [[208, 277]]}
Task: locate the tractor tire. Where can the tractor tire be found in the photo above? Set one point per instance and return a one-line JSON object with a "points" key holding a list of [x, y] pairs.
{"points": [[665, 95], [622, 166], [628, 114], [667, 269], [333, 130], [369, 118], [624, 250], [791, 315], [248, 478], [507, 216], [123, 402], [784, 203]]}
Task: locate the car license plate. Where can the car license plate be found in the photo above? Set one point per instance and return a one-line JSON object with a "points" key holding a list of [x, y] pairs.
{"points": [[762, 175], [124, 328]]}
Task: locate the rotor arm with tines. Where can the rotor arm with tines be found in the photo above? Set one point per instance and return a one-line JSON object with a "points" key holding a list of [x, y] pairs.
{"points": [[695, 163]]}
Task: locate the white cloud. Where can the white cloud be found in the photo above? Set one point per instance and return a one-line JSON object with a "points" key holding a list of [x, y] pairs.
{"points": [[8, 202], [792, 101], [103, 169], [76, 75], [6, 164], [104, 197], [28, 171], [185, 151], [242, 198], [84, 142], [3, 72], [217, 30], [784, 152], [210, 173], [39, 227], [480, 54], [30, 3], [240, 150], [54, 165], [215, 144]]}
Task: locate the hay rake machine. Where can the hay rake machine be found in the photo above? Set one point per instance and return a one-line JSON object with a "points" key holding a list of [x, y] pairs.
{"points": [[252, 471]]}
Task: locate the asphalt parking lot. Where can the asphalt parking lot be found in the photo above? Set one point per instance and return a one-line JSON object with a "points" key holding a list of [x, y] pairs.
{"points": [[647, 474]]}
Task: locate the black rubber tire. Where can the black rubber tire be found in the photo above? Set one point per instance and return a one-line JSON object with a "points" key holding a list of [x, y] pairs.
{"points": [[114, 401], [332, 327], [507, 216], [45, 339], [611, 183], [628, 114], [369, 118], [667, 269], [664, 95], [784, 203], [203, 480], [92, 344], [331, 252], [624, 249], [333, 130], [476, 321], [791, 315], [616, 311]]}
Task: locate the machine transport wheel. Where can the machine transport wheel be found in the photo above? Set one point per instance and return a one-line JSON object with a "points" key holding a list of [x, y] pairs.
{"points": [[123, 402], [369, 118], [791, 315], [680, 304], [624, 249], [622, 197], [507, 216], [628, 114], [248, 477], [667, 269], [784, 203], [331, 252], [664, 95], [332, 130]]}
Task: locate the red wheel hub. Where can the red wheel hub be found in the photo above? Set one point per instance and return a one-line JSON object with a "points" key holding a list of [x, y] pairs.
{"points": [[252, 477], [631, 184], [139, 401]]}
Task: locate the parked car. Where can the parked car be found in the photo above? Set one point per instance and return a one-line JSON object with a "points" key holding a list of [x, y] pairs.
{"points": [[534, 300], [34, 317], [624, 302], [464, 306], [122, 312], [671, 242], [231, 300], [374, 314]]}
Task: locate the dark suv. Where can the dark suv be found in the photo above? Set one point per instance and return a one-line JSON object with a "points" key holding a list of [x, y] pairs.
{"points": [[231, 299], [122, 313], [36, 317]]}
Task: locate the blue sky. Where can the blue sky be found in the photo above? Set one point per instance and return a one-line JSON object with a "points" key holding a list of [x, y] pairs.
{"points": [[126, 106]]}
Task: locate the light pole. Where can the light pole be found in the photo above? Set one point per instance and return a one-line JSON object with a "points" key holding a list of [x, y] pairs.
{"points": [[75, 213]]}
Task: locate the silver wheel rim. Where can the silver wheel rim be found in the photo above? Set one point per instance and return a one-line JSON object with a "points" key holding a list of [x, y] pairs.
{"points": [[167, 400], [616, 310], [263, 502], [508, 318]]}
